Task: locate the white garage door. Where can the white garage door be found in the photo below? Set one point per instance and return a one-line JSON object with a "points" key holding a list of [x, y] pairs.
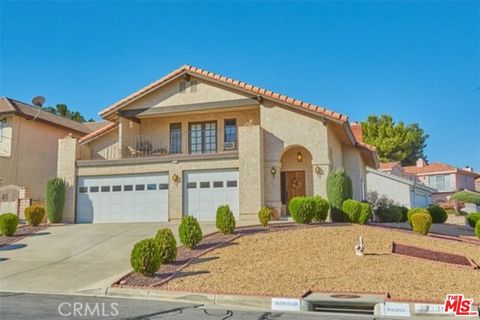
{"points": [[122, 198], [205, 191]]}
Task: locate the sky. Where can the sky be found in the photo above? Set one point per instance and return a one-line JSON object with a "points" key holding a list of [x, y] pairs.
{"points": [[417, 61]]}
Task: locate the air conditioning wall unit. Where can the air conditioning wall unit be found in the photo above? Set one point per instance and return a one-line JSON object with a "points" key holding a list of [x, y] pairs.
{"points": [[230, 145]]}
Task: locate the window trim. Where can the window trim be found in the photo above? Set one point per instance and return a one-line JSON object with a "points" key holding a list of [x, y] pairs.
{"points": [[202, 136], [225, 132]]}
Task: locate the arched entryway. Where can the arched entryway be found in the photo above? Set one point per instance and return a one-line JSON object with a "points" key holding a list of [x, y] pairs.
{"points": [[296, 174]]}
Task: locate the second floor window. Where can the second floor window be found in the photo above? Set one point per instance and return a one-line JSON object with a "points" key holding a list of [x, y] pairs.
{"points": [[202, 137], [440, 182], [175, 138], [230, 134]]}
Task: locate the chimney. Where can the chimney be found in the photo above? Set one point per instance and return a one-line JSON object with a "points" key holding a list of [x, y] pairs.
{"points": [[468, 168], [421, 163]]}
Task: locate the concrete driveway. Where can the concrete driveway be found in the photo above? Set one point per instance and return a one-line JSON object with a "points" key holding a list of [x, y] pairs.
{"points": [[74, 258]]}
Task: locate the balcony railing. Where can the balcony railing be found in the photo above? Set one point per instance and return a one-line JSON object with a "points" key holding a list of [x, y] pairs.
{"points": [[158, 145]]}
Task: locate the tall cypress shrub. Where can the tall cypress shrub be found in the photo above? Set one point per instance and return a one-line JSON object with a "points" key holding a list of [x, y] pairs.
{"points": [[55, 199], [339, 189]]}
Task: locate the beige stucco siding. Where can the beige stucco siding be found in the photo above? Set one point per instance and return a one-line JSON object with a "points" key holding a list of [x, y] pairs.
{"points": [[355, 168], [283, 129], [105, 147], [33, 158], [335, 151], [169, 95]]}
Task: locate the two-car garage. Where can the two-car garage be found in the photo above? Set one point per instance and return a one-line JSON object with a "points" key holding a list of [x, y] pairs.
{"points": [[145, 197]]}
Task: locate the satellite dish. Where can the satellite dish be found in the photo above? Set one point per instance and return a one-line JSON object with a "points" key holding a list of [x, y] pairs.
{"points": [[38, 101]]}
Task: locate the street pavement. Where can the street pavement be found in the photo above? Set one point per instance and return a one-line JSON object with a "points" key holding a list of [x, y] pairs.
{"points": [[24, 306]]}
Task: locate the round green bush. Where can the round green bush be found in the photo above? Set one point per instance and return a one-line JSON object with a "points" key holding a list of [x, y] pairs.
{"points": [[421, 222], [304, 210], [472, 219], [477, 229], [264, 216], [412, 211], [389, 214], [145, 257], [190, 232], [365, 212], [439, 215], [225, 221], [167, 245], [294, 204], [55, 199], [321, 209], [34, 215], [8, 224], [351, 209]]}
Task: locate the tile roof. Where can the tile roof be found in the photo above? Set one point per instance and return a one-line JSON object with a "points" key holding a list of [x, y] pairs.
{"points": [[231, 82], [357, 131], [96, 133], [8, 105], [388, 165], [436, 168]]}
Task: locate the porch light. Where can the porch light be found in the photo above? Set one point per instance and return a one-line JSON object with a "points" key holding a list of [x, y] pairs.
{"points": [[175, 178], [273, 171], [299, 157]]}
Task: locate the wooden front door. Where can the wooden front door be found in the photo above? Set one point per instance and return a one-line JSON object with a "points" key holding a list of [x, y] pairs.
{"points": [[294, 185]]}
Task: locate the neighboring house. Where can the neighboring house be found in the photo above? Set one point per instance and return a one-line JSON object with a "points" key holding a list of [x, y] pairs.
{"points": [[407, 192], [477, 184], [29, 145], [195, 140], [444, 178]]}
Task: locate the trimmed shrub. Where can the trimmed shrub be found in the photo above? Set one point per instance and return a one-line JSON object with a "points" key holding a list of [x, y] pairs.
{"points": [[473, 218], [421, 222], [365, 212], [167, 245], [8, 224], [339, 189], [439, 215], [54, 199], [145, 257], [321, 209], [466, 196], [351, 209], [190, 232], [477, 229], [412, 211], [34, 215], [303, 210], [390, 214], [294, 204], [264, 216], [404, 211], [225, 221]]}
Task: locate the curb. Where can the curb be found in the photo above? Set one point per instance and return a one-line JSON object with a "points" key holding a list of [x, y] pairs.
{"points": [[254, 302]]}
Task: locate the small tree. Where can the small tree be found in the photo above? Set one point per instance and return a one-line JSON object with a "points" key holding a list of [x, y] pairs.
{"points": [[339, 189], [55, 199]]}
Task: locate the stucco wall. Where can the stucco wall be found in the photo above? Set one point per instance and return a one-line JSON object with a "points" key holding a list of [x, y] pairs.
{"points": [[284, 128], [464, 182], [398, 191], [169, 95], [105, 147], [33, 158], [355, 168], [335, 151]]}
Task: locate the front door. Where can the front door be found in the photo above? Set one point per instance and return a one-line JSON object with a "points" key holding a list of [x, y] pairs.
{"points": [[294, 185]]}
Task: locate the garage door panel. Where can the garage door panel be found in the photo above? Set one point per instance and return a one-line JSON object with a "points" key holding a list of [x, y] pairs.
{"points": [[124, 198], [205, 191]]}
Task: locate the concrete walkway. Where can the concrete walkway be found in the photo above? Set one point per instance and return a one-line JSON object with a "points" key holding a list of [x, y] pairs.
{"points": [[75, 258]]}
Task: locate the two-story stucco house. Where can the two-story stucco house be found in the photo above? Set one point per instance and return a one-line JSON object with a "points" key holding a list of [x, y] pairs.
{"points": [[29, 144], [194, 140], [443, 178]]}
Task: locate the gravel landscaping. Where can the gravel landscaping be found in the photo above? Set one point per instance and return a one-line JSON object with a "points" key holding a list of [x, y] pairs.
{"points": [[22, 232], [321, 258]]}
